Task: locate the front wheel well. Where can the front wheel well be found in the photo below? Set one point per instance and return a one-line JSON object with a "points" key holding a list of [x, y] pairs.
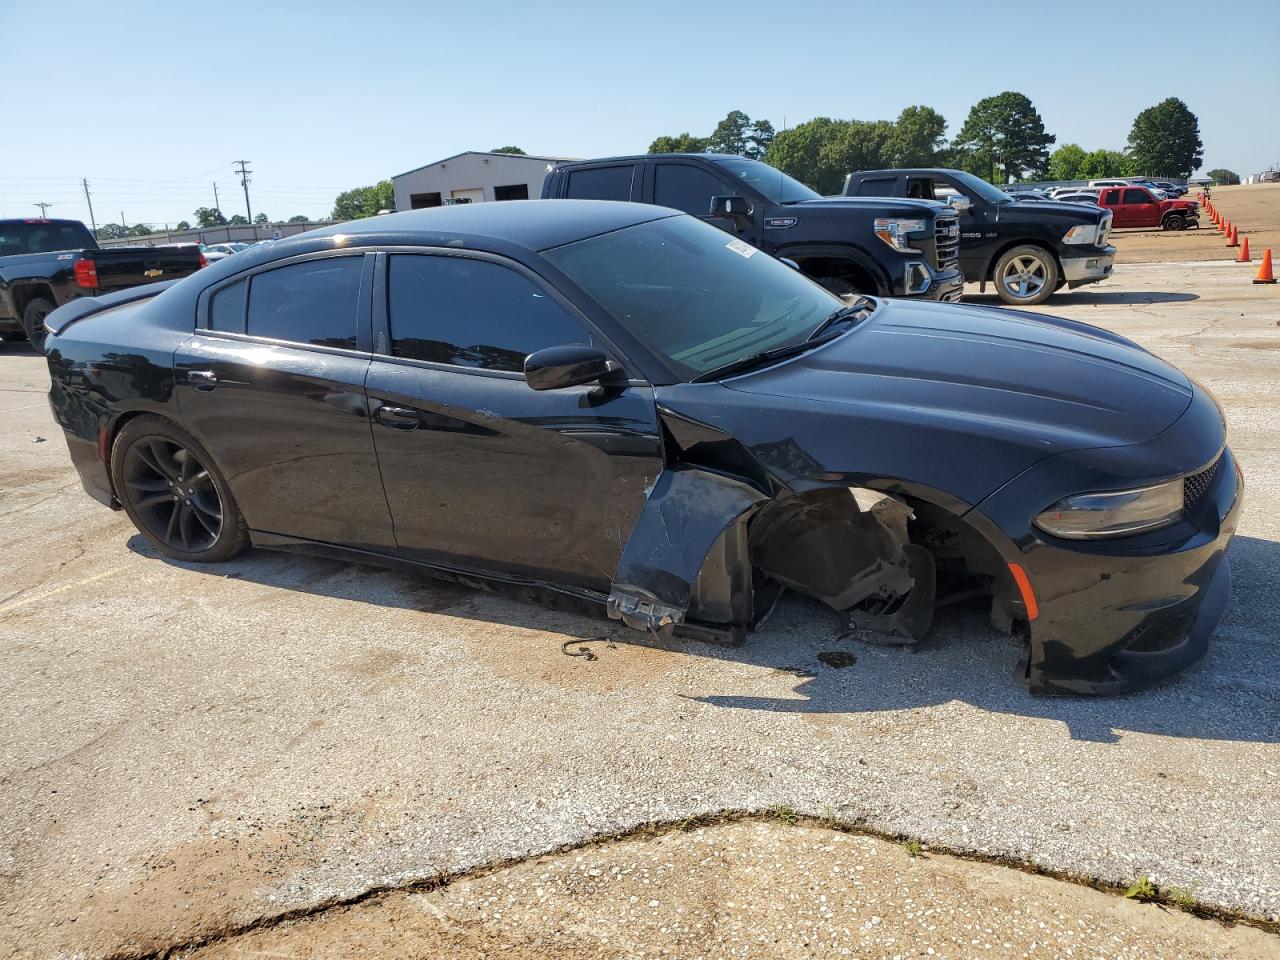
{"points": [[861, 277]]}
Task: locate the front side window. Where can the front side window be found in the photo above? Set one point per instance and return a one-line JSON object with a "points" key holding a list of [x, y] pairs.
{"points": [[769, 181], [694, 296], [601, 183], [314, 302], [686, 187], [472, 313], [1137, 196]]}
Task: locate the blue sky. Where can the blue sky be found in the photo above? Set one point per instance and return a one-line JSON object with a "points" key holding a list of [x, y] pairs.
{"points": [[153, 101]]}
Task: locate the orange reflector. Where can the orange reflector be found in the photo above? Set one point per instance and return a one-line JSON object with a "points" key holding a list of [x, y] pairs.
{"points": [[1024, 588], [104, 444]]}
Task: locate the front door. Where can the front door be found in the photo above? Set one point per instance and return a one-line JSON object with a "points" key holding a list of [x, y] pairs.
{"points": [[1141, 208], [690, 187], [480, 470], [977, 223], [272, 384]]}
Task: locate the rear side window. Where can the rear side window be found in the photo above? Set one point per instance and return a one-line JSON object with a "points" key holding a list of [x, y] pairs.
{"points": [[1137, 196], [1111, 196], [601, 183], [314, 302], [687, 188], [878, 187], [226, 309], [472, 313]]}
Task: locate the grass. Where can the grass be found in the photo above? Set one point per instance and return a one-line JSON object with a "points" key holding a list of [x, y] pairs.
{"points": [[1184, 898], [914, 848], [1141, 889], [783, 813]]}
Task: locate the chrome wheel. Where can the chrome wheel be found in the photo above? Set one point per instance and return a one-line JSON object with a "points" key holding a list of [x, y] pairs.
{"points": [[1025, 276], [171, 492]]}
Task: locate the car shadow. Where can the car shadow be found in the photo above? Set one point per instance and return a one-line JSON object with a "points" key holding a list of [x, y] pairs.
{"points": [[19, 348], [1095, 297], [1229, 695]]}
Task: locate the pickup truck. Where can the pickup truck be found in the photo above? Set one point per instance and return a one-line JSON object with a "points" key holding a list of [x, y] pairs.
{"points": [[1028, 250], [46, 263], [894, 248], [1136, 206]]}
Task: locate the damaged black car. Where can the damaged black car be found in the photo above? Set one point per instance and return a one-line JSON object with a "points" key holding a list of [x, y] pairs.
{"points": [[625, 404]]}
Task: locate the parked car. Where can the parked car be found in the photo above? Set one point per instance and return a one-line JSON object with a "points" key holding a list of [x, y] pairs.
{"points": [[45, 263], [216, 251], [621, 403], [1115, 182], [899, 248], [1089, 198], [1173, 190], [1028, 194], [1028, 250], [1139, 207]]}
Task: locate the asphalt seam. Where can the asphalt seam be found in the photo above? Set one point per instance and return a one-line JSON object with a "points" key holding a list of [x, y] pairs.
{"points": [[780, 816]]}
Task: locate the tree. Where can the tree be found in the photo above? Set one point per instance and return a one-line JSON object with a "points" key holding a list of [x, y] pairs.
{"points": [[183, 225], [1165, 141], [1004, 138], [1223, 177], [238, 221], [1066, 161], [262, 218], [822, 152], [209, 217], [364, 201], [739, 135], [516, 150], [300, 218], [1104, 164], [917, 138], [112, 231], [681, 143], [140, 230]]}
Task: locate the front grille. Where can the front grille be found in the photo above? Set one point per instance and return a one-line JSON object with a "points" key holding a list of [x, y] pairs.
{"points": [[1197, 485], [946, 234]]}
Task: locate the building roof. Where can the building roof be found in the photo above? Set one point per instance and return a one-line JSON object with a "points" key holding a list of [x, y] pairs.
{"points": [[480, 153]]}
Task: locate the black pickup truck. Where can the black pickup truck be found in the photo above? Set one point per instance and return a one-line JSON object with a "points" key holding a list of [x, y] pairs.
{"points": [[898, 248], [45, 263], [1027, 249]]}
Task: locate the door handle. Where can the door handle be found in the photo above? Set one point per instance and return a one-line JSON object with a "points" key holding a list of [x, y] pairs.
{"points": [[202, 379], [398, 418]]}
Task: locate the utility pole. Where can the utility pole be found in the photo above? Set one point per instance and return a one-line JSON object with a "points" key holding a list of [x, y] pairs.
{"points": [[122, 223], [244, 182], [215, 197], [43, 208], [92, 222]]}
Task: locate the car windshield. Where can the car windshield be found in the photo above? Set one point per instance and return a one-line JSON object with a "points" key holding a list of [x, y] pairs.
{"points": [[983, 189], [42, 237], [776, 186], [697, 297]]}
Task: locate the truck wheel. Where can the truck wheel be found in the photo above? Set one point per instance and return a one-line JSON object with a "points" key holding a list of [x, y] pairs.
{"points": [[174, 494], [1026, 275], [1174, 222], [8, 336], [33, 322], [843, 286]]}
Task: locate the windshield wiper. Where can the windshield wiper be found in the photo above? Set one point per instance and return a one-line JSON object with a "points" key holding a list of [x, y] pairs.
{"points": [[760, 359], [860, 309]]}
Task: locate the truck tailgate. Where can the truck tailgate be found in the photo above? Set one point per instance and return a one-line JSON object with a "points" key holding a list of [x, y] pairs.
{"points": [[121, 267]]}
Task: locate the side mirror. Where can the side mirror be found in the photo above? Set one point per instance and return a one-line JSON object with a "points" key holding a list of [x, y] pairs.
{"points": [[736, 209], [568, 366], [959, 203]]}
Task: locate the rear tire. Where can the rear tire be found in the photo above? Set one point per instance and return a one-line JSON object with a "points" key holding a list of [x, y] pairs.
{"points": [[174, 494], [1026, 275], [1174, 222], [33, 322]]}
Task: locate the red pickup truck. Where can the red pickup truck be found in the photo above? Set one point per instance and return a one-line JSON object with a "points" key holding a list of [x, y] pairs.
{"points": [[1139, 207]]}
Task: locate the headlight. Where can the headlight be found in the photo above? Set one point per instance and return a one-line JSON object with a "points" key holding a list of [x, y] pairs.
{"points": [[1092, 515], [894, 232], [1086, 233]]}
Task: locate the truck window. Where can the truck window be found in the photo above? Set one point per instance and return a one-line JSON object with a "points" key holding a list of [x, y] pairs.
{"points": [[687, 188], [1112, 197], [877, 187], [920, 188], [601, 183], [1137, 196], [16, 238]]}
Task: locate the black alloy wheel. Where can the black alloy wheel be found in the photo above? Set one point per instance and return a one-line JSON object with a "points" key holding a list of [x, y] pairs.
{"points": [[172, 494]]}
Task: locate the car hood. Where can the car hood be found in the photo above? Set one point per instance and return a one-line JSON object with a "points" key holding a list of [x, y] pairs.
{"points": [[837, 205], [1040, 384], [1050, 209]]}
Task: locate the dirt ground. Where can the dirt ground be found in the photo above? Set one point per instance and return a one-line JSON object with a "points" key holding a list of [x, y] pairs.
{"points": [[1254, 209], [750, 889]]}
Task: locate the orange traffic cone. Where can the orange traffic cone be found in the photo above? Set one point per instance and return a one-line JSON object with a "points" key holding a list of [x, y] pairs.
{"points": [[1231, 238], [1244, 252], [1264, 272]]}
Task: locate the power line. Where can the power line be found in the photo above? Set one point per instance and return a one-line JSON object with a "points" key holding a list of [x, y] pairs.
{"points": [[244, 182]]}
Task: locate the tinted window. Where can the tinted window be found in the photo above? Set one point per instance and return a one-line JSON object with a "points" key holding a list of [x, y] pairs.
{"points": [[1112, 197], [600, 183], [1137, 196], [771, 182], [877, 188], [472, 313], [314, 302], [226, 309], [16, 238], [687, 188]]}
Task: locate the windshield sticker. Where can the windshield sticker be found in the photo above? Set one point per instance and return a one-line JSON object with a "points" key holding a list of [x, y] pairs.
{"points": [[741, 249]]}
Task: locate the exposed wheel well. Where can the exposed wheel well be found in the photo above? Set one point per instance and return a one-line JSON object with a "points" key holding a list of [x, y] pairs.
{"points": [[861, 277], [24, 293]]}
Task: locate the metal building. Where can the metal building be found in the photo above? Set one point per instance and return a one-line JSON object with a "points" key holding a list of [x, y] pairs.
{"points": [[473, 177]]}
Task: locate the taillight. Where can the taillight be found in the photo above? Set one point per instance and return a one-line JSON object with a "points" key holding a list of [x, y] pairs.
{"points": [[86, 273], [204, 261]]}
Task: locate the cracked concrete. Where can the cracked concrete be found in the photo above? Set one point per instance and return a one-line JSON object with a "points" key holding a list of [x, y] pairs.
{"points": [[188, 750]]}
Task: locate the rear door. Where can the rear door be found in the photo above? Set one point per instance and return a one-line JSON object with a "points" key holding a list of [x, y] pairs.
{"points": [[272, 384], [612, 181], [481, 471]]}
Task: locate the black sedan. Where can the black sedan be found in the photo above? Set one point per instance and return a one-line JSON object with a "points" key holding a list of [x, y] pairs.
{"points": [[628, 405]]}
